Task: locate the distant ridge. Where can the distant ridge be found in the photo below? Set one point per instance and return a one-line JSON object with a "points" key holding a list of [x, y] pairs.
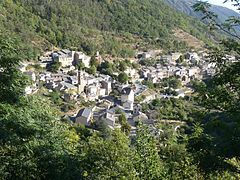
{"points": [[185, 6]]}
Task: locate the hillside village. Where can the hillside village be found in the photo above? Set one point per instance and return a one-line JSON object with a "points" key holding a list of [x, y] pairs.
{"points": [[100, 96], [119, 89]]}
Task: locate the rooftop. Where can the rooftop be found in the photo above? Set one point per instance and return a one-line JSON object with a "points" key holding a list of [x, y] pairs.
{"points": [[126, 91], [86, 112]]}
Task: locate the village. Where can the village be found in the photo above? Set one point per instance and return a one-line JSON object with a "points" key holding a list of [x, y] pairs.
{"points": [[112, 98]]}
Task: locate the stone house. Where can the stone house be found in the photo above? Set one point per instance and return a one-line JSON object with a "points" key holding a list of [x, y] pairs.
{"points": [[84, 117], [127, 98]]}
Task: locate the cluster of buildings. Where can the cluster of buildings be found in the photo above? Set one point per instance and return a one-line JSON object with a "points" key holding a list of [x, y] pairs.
{"points": [[66, 57], [108, 110], [83, 84], [159, 72], [194, 67], [111, 97]]}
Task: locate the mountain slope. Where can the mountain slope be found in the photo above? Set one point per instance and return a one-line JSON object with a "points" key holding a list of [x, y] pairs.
{"points": [[95, 24], [185, 6], [223, 12]]}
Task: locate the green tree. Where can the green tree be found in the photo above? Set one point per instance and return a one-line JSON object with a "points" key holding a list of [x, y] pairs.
{"points": [[94, 62], [80, 65], [102, 127], [55, 97], [34, 143], [135, 66], [12, 81], [178, 162], [174, 83], [54, 67], [122, 118], [171, 82], [106, 65], [147, 162], [220, 96], [123, 78], [149, 84], [92, 70], [122, 66], [125, 126], [72, 73], [108, 159]]}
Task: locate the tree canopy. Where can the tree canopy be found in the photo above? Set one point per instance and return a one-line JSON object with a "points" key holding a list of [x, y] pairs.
{"points": [[123, 78]]}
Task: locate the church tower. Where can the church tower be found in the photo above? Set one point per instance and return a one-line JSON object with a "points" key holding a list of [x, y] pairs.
{"points": [[81, 82]]}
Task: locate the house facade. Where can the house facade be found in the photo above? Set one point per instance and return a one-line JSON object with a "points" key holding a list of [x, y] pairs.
{"points": [[84, 117]]}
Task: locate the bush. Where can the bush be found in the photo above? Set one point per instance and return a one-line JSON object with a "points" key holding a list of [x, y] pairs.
{"points": [[123, 78]]}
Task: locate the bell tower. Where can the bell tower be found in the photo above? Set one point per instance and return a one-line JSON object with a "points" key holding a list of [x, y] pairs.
{"points": [[81, 82]]}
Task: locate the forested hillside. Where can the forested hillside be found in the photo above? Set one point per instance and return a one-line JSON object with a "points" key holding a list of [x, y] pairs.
{"points": [[92, 24]]}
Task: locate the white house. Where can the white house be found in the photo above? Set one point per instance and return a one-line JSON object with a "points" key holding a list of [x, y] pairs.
{"points": [[92, 89], [102, 92], [83, 57], [67, 87], [110, 119], [146, 55], [73, 80], [22, 66], [57, 77], [84, 117], [28, 90], [130, 72], [194, 71], [166, 59], [127, 98], [140, 117], [193, 57], [65, 57], [148, 95], [175, 56]]}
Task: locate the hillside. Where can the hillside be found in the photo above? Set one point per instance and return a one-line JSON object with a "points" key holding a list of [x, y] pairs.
{"points": [[90, 25], [190, 40], [185, 6]]}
